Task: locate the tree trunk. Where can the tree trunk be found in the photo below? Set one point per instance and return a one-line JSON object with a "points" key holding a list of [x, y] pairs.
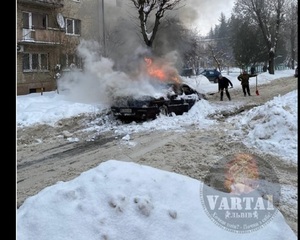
{"points": [[271, 62], [293, 52]]}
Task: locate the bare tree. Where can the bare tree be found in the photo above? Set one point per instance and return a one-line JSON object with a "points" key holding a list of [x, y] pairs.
{"points": [[222, 53], [217, 55], [145, 11], [291, 34], [269, 16], [246, 51]]}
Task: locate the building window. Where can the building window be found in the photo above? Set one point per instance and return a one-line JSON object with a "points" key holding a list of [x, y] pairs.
{"points": [[69, 61], [35, 62], [73, 26], [34, 20], [36, 90]]}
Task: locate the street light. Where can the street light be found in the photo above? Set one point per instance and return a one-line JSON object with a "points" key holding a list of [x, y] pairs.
{"points": [[103, 27], [104, 41]]}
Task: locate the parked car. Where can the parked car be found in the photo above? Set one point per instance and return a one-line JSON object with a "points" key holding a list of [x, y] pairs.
{"points": [[179, 100], [296, 72], [211, 74]]}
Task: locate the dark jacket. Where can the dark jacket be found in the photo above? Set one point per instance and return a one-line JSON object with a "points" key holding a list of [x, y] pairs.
{"points": [[244, 78], [224, 83]]}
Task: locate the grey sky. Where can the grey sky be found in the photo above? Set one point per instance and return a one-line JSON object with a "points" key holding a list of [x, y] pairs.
{"points": [[204, 14], [200, 14]]}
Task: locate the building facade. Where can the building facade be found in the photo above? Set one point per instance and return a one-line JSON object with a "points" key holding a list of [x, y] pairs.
{"points": [[48, 32]]}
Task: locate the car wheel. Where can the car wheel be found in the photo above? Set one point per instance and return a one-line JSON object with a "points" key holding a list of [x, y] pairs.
{"points": [[163, 110]]}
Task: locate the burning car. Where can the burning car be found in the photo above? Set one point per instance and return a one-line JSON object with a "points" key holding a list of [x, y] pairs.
{"points": [[170, 94], [179, 99]]}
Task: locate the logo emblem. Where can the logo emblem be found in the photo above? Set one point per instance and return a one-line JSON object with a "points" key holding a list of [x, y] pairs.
{"points": [[241, 191]]}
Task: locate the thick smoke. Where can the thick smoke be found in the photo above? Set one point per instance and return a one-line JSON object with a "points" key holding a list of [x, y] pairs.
{"points": [[122, 26], [123, 73], [99, 82]]}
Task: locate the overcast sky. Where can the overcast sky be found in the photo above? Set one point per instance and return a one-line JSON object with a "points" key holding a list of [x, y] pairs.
{"points": [[202, 14], [205, 14]]}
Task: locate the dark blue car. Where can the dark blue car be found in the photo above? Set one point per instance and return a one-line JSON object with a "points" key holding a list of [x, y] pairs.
{"points": [[142, 108], [211, 74]]}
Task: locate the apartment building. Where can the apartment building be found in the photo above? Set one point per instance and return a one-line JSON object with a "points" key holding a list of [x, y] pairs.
{"points": [[48, 32]]}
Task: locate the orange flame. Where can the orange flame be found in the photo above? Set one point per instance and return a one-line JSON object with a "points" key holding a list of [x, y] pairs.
{"points": [[161, 72]]}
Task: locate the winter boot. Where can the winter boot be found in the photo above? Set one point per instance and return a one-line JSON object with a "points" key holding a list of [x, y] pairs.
{"points": [[228, 95]]}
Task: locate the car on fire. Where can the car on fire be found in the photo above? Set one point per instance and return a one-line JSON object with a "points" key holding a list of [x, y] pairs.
{"points": [[179, 99]]}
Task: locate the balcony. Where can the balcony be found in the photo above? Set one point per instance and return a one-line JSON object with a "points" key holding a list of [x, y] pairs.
{"points": [[40, 36], [44, 3]]}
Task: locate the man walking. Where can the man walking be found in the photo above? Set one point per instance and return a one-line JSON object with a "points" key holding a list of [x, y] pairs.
{"points": [[223, 84], [244, 79]]}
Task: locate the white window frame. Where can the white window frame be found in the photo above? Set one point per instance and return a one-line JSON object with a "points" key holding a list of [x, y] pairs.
{"points": [[70, 61], [73, 26], [30, 19], [28, 32], [40, 68]]}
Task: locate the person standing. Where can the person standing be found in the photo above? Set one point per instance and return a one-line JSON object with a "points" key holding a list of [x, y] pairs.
{"points": [[244, 79], [223, 84]]}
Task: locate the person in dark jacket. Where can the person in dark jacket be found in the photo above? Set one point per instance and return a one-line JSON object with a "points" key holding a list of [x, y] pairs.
{"points": [[223, 84], [244, 79]]}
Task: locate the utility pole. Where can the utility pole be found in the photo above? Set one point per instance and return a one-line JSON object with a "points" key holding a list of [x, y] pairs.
{"points": [[103, 25]]}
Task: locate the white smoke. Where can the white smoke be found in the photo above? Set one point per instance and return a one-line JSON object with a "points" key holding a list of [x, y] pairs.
{"points": [[98, 82]]}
